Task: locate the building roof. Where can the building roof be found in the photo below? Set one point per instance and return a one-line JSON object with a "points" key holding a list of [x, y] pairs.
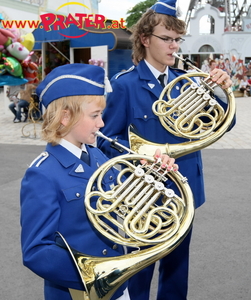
{"points": [[79, 38]]}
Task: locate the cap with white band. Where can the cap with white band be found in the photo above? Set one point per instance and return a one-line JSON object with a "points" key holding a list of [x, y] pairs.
{"points": [[71, 80]]}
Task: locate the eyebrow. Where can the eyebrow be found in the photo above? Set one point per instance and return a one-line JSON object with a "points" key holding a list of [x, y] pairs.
{"points": [[96, 111], [169, 37]]}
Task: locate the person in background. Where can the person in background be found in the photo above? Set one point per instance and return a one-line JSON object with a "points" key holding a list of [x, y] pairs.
{"points": [[21, 101], [155, 37], [244, 86], [249, 81], [12, 93], [53, 201], [212, 65], [227, 66], [205, 66]]}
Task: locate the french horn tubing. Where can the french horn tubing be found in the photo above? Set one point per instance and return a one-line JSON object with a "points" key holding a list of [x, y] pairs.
{"points": [[195, 114], [138, 211]]}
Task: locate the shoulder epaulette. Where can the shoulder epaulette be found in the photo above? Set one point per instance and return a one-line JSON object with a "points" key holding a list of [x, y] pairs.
{"points": [[124, 72], [40, 159]]}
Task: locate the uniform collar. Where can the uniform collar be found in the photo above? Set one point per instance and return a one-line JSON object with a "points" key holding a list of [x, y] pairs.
{"points": [[149, 82], [156, 72], [146, 74], [69, 161], [72, 148]]}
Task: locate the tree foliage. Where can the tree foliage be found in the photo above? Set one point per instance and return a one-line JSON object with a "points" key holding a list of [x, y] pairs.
{"points": [[137, 11]]}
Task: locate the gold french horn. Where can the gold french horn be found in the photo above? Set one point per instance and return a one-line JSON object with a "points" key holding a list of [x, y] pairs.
{"points": [[195, 114], [144, 213]]}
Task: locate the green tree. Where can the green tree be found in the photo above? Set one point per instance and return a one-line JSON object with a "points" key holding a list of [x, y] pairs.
{"points": [[136, 12]]}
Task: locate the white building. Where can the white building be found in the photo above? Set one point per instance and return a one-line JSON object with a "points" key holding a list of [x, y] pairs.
{"points": [[218, 42]]}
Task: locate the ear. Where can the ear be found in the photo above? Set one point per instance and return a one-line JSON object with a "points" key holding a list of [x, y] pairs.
{"points": [[65, 117], [145, 40]]}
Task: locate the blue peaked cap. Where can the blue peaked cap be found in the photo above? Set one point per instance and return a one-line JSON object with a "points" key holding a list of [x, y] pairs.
{"points": [[71, 80], [166, 7]]}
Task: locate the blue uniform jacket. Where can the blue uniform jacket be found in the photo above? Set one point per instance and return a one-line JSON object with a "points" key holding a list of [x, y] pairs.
{"points": [[52, 199], [134, 92]]}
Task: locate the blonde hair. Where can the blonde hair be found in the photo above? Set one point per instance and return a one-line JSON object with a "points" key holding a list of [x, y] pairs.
{"points": [[145, 27], [52, 128]]}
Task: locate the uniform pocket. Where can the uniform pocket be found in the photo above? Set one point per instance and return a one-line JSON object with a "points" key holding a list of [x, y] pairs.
{"points": [[144, 114], [74, 193]]}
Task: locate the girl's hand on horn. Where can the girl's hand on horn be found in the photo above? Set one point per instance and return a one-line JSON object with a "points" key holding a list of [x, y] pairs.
{"points": [[166, 161]]}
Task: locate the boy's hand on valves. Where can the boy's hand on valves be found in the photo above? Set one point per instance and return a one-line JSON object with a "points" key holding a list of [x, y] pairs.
{"points": [[221, 77]]}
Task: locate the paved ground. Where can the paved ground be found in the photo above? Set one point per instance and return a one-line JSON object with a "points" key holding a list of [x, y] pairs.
{"points": [[220, 267]]}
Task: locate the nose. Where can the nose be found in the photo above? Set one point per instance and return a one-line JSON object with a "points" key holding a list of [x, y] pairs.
{"points": [[174, 46], [100, 123]]}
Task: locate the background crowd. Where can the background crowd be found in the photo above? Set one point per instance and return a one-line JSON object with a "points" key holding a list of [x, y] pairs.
{"points": [[239, 72]]}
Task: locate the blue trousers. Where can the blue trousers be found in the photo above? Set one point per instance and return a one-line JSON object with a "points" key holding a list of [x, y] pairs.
{"points": [[16, 109], [173, 276]]}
